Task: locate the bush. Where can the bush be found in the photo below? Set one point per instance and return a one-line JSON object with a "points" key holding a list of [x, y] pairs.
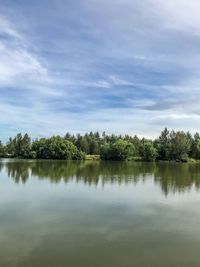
{"points": [[56, 148], [149, 151], [120, 150]]}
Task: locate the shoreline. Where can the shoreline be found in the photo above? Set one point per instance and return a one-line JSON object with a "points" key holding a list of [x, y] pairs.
{"points": [[93, 158]]}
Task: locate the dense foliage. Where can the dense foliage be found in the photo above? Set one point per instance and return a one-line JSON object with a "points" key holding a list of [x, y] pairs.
{"points": [[171, 146], [119, 150], [56, 148]]}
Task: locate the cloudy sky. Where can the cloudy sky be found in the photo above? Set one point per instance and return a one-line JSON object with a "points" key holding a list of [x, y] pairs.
{"points": [[123, 66]]}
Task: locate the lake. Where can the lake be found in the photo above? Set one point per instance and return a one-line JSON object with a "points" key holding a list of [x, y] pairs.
{"points": [[99, 214]]}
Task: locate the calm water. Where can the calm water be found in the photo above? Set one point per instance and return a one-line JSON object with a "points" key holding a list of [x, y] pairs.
{"points": [[90, 214]]}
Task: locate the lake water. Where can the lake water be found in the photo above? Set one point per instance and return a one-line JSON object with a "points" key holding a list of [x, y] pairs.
{"points": [[99, 214]]}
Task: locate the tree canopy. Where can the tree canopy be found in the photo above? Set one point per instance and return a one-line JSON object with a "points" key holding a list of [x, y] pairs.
{"points": [[119, 150], [170, 146]]}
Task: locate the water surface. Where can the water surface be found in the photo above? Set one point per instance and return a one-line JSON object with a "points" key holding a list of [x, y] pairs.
{"points": [[99, 214]]}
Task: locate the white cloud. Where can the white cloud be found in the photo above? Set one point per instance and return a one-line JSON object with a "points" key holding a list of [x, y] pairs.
{"points": [[7, 29], [179, 14], [142, 53], [119, 82], [19, 67]]}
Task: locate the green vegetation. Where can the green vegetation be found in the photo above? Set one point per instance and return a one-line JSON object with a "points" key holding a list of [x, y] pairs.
{"points": [[56, 148], [119, 150], [148, 151], [169, 146], [92, 157]]}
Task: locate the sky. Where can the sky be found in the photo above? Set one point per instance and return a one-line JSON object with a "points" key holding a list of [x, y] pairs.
{"points": [[120, 66]]}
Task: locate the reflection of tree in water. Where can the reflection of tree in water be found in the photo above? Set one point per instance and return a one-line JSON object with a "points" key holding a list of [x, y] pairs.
{"points": [[1, 165], [172, 177], [176, 177], [19, 170], [111, 172]]}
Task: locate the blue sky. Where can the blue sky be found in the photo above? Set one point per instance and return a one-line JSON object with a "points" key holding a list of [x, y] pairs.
{"points": [[123, 66]]}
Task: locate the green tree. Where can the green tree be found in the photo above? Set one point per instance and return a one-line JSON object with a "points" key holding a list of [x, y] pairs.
{"points": [[82, 143], [19, 146], [56, 148], [105, 151], [2, 150], [25, 146], [120, 150], [149, 151], [163, 145], [179, 146], [194, 148]]}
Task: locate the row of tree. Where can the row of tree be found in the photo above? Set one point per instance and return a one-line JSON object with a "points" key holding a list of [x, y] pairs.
{"points": [[55, 147], [170, 146]]}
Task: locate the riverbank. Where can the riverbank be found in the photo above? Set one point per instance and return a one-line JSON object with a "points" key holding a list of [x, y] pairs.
{"points": [[98, 158]]}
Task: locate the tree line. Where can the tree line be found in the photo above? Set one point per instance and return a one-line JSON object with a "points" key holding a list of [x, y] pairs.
{"points": [[169, 146]]}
